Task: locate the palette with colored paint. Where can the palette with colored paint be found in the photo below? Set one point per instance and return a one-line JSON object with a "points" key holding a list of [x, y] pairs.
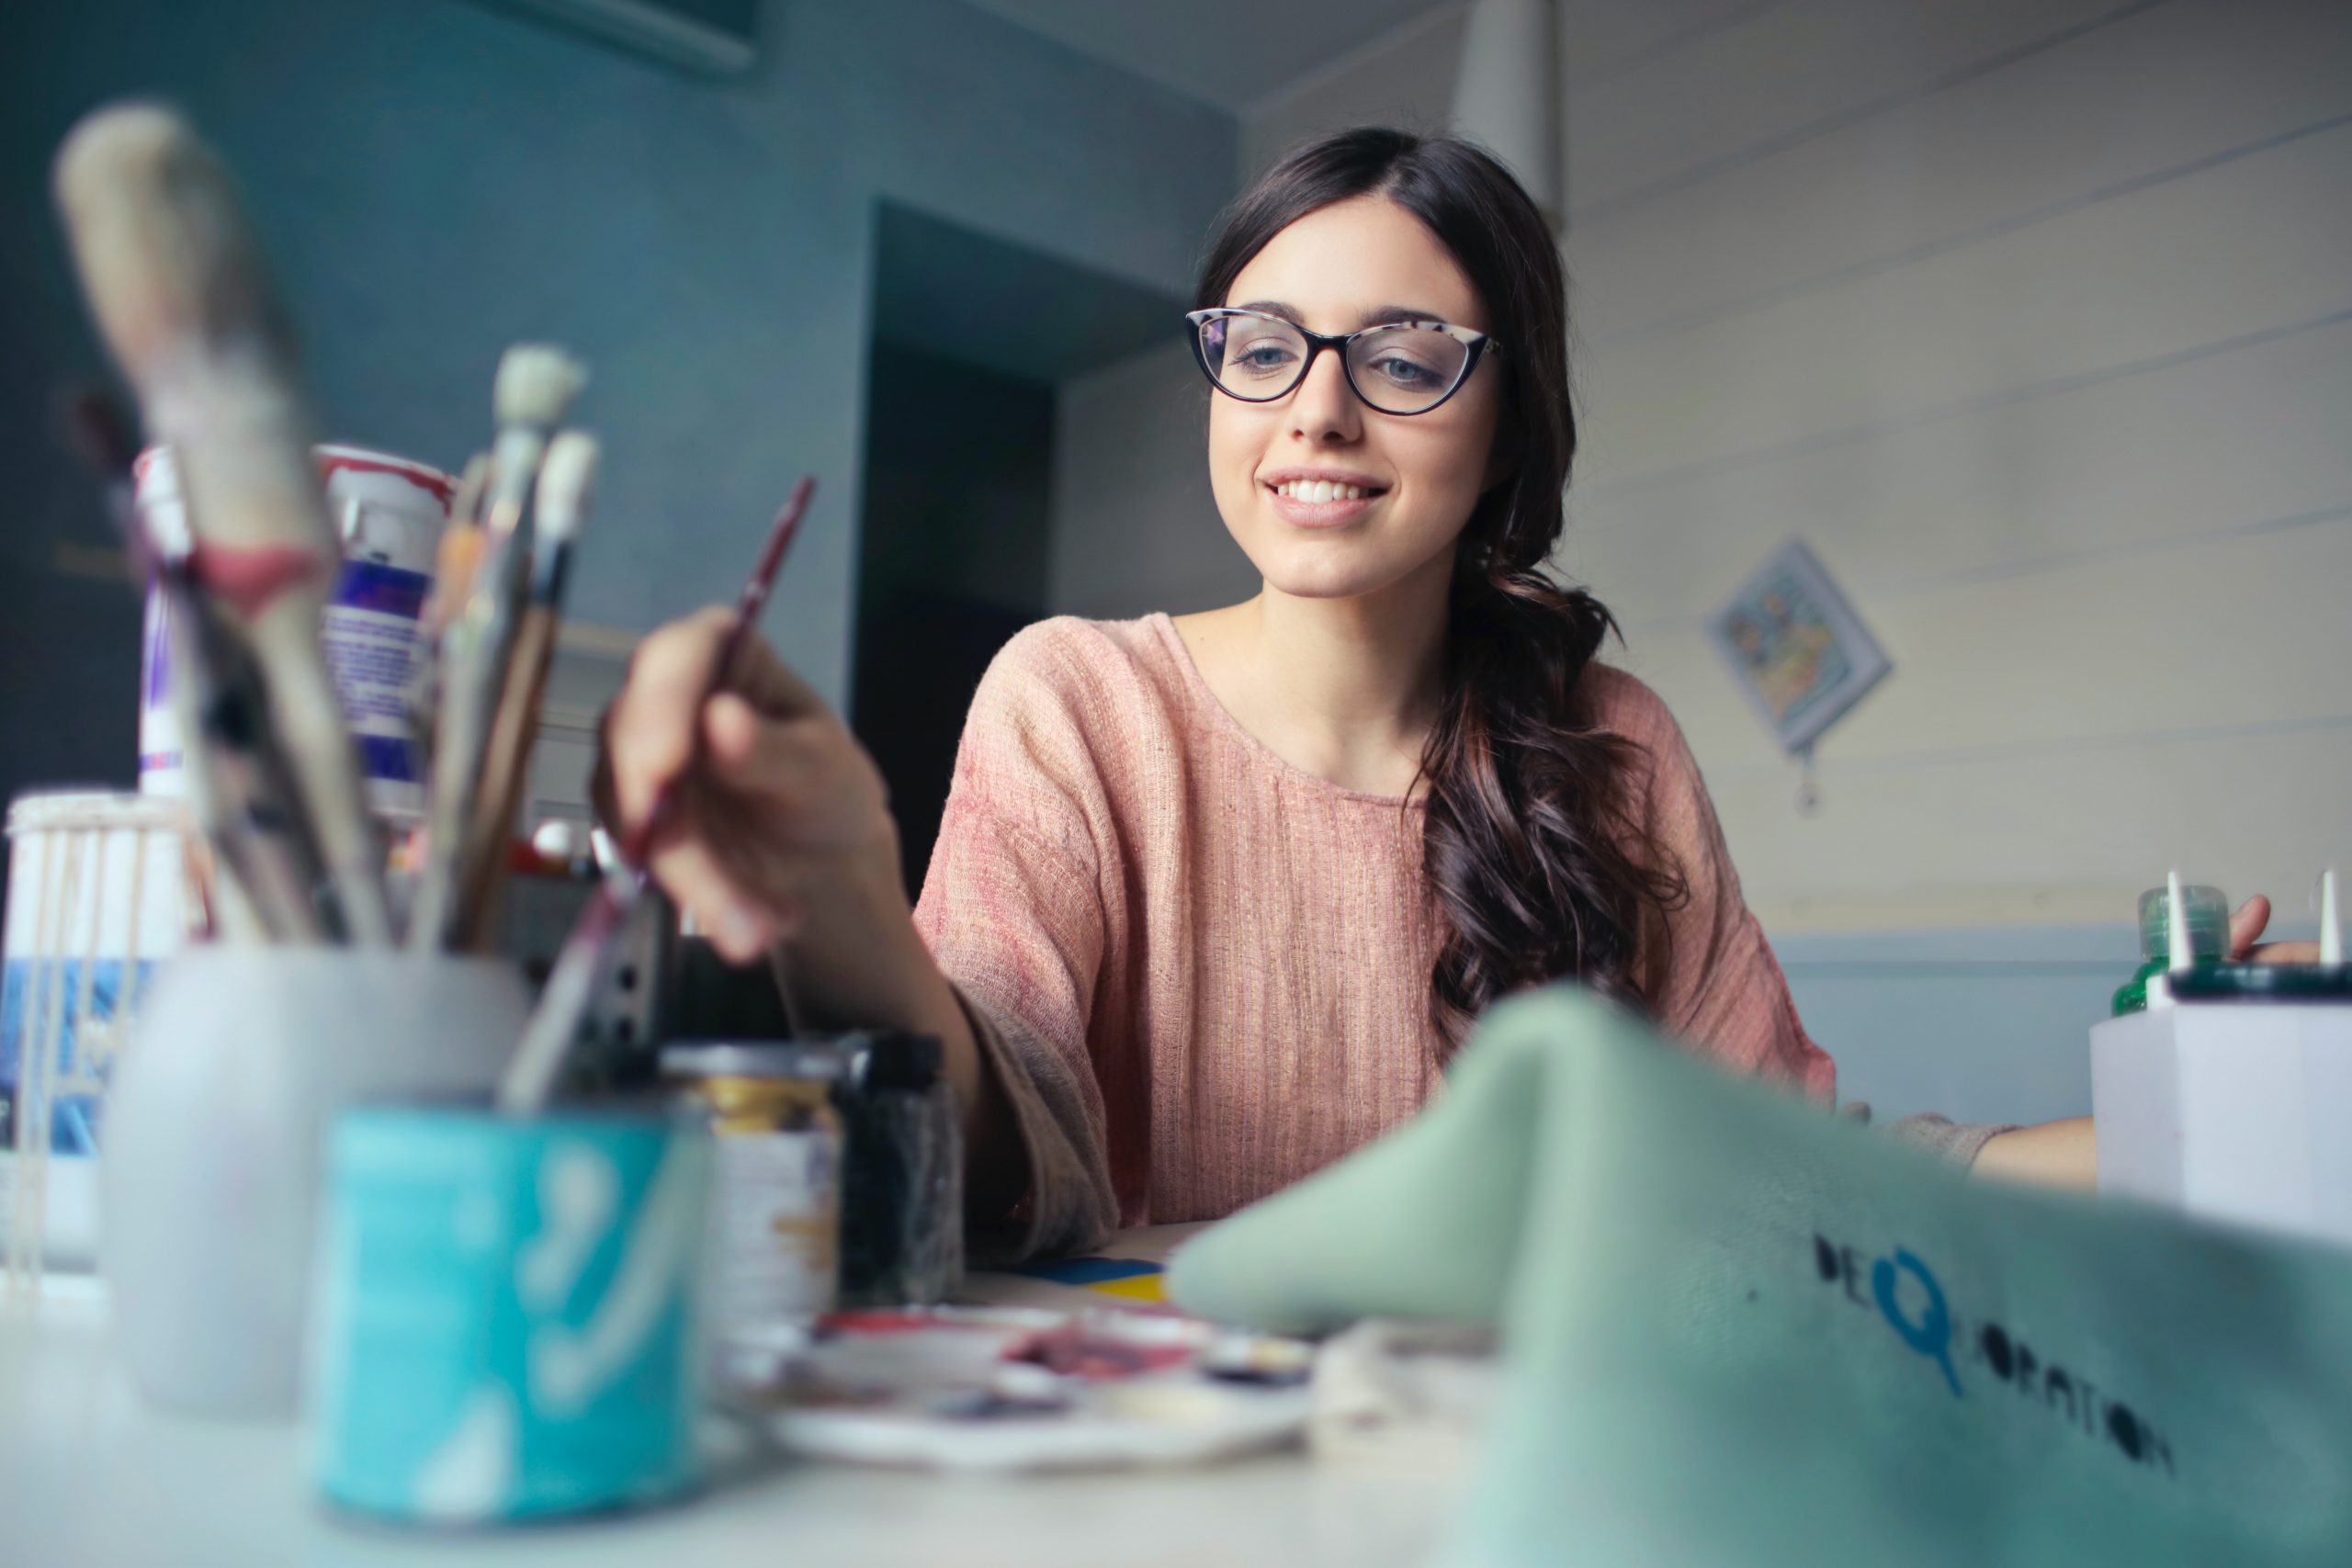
{"points": [[1014, 1389], [1131, 1279]]}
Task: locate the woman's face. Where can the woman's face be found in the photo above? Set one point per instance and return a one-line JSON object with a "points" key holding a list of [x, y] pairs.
{"points": [[1352, 264]]}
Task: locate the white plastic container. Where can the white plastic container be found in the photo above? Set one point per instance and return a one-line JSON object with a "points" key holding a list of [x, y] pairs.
{"points": [[97, 895], [389, 512], [2239, 1111], [213, 1146]]}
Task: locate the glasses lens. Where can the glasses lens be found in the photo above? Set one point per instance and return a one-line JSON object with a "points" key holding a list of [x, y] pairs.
{"points": [[1255, 357], [1405, 370]]}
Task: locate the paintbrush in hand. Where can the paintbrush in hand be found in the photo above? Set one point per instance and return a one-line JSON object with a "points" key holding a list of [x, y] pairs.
{"points": [[563, 1003], [176, 283]]}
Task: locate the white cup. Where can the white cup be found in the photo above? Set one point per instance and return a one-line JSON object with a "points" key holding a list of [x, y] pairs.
{"points": [[215, 1123]]}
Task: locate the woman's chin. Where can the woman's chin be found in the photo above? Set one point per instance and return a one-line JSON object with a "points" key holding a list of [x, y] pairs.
{"points": [[1331, 569], [1321, 580]]}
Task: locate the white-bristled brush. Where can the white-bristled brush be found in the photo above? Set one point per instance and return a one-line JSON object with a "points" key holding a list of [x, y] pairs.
{"points": [[177, 283], [534, 386], [559, 508]]}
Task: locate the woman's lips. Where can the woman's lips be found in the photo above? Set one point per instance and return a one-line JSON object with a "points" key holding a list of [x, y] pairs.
{"points": [[1319, 513]]}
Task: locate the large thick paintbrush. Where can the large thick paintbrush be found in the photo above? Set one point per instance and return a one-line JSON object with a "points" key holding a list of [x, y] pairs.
{"points": [[177, 283]]}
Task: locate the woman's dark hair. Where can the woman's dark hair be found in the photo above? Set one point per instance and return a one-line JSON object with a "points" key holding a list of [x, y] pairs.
{"points": [[1533, 847]]}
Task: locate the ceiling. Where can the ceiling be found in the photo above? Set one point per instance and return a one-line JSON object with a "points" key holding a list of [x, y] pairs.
{"points": [[1232, 53]]}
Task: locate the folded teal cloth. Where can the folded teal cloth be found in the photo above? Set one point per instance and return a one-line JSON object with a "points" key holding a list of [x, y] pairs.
{"points": [[1738, 1331]]}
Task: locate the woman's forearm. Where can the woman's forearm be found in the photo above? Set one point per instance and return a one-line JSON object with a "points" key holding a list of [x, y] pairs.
{"points": [[2055, 1153], [859, 963]]}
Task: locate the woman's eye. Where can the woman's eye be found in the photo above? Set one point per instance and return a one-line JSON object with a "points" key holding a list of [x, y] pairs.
{"points": [[1404, 372], [1264, 357]]}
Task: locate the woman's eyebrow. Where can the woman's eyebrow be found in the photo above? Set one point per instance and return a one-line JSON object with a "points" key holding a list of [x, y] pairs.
{"points": [[1379, 316]]}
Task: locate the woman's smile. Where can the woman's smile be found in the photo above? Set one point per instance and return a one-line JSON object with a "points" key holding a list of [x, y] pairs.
{"points": [[1321, 498]]}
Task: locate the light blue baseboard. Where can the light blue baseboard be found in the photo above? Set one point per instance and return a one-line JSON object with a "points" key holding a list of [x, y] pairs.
{"points": [[1982, 1025], [1985, 1025]]}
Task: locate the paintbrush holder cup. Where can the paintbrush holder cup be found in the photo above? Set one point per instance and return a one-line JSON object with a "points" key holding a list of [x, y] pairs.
{"points": [[241, 1059]]}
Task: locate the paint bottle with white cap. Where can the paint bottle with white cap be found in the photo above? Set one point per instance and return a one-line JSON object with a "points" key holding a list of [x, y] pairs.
{"points": [[390, 512]]}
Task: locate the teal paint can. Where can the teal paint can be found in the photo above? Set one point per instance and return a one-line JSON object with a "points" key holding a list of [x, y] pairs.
{"points": [[508, 1320]]}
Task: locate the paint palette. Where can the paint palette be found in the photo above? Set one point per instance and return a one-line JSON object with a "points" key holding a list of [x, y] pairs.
{"points": [[1019, 1389]]}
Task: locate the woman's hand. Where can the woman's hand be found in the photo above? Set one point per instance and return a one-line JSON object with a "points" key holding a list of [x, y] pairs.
{"points": [[774, 800], [779, 841], [2065, 1154], [2245, 930]]}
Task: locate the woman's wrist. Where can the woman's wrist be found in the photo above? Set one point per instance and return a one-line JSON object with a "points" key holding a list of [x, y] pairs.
{"points": [[855, 959], [858, 963]]}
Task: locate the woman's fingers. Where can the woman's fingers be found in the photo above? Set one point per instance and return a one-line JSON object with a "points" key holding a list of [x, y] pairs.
{"points": [[650, 730], [814, 786], [2246, 926], [769, 788], [743, 912], [2245, 930]]}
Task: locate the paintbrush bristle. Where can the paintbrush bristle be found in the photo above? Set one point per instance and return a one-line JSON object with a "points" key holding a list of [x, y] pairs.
{"points": [[165, 253], [535, 384], [566, 478]]}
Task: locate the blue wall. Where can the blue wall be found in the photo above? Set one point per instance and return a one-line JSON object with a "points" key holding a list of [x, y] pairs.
{"points": [[436, 179]]}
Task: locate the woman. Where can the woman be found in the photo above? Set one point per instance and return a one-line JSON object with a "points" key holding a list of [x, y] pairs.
{"points": [[1214, 897]]}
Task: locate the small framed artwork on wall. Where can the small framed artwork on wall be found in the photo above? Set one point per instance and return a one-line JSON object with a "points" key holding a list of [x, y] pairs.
{"points": [[1797, 646]]}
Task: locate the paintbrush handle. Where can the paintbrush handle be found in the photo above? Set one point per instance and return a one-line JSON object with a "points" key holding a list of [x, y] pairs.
{"points": [[506, 780], [748, 604], [478, 648], [531, 1076]]}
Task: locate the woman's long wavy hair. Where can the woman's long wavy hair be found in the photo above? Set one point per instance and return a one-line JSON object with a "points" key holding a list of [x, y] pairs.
{"points": [[1532, 849]]}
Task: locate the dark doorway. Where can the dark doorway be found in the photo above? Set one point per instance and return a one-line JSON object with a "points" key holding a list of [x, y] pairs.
{"points": [[972, 334], [952, 561]]}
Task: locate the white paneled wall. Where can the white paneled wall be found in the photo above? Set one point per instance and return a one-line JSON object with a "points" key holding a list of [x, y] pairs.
{"points": [[2035, 316], [2036, 319]]}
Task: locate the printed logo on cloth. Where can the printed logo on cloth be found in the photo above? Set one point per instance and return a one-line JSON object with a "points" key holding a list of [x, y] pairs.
{"points": [[1903, 1290]]}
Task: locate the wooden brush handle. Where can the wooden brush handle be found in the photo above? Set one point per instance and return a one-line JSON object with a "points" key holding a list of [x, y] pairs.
{"points": [[506, 780]]}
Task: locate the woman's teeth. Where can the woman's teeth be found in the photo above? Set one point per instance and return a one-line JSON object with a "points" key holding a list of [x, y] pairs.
{"points": [[1322, 490]]}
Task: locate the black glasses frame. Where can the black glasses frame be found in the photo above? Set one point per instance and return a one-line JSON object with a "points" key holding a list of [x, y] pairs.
{"points": [[1479, 345]]}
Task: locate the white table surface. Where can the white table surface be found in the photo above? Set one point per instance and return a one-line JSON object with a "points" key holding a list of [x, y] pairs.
{"points": [[91, 1478]]}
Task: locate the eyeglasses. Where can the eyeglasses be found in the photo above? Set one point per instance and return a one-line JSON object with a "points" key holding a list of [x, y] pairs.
{"points": [[1396, 366]]}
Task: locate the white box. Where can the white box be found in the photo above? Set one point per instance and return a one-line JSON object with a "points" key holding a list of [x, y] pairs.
{"points": [[2239, 1111]]}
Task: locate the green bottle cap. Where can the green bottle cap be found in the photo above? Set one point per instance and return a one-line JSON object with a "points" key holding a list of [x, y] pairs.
{"points": [[2209, 922]]}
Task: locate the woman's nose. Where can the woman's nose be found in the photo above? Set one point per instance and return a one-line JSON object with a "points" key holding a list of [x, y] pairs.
{"points": [[1324, 407]]}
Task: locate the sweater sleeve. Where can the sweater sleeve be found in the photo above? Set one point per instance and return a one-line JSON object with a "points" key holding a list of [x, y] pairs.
{"points": [[1013, 911], [1721, 988], [1955, 1142]]}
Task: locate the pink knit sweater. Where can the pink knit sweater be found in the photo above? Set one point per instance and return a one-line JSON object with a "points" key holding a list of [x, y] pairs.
{"points": [[1201, 972]]}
